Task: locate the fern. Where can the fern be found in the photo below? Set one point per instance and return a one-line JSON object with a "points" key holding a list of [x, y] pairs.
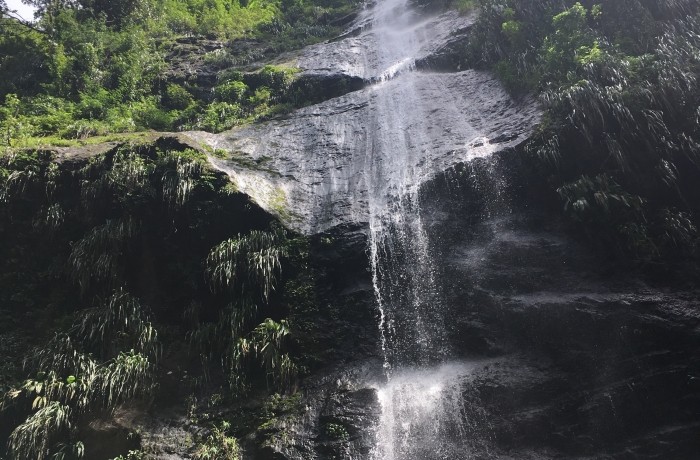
{"points": [[251, 262], [96, 257], [32, 439], [179, 179]]}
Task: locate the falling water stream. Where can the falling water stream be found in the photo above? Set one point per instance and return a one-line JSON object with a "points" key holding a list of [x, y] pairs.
{"points": [[421, 401]]}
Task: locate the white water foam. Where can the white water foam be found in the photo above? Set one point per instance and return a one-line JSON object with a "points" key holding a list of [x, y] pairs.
{"points": [[422, 414]]}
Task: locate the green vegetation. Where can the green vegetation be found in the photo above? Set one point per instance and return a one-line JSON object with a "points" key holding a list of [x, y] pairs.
{"points": [[272, 420], [118, 258], [145, 237], [464, 6], [218, 445], [98, 68], [247, 268], [337, 432], [132, 455], [84, 369], [620, 141]]}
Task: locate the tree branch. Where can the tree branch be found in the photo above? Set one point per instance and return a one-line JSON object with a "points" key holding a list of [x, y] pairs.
{"points": [[13, 16]]}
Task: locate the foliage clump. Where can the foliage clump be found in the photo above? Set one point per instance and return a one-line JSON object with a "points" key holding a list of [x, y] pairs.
{"points": [[97, 68], [140, 225], [620, 141], [247, 268], [218, 445], [86, 368]]}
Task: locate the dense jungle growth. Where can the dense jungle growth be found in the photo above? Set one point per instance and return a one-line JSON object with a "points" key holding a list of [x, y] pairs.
{"points": [[133, 271], [121, 270], [96, 68], [620, 142]]}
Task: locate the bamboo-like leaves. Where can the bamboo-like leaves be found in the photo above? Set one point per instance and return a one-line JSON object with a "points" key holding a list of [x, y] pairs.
{"points": [[130, 171], [179, 178], [127, 376], [70, 381], [32, 439], [120, 318], [620, 135], [265, 345], [50, 217], [251, 262], [267, 340], [96, 257], [249, 265]]}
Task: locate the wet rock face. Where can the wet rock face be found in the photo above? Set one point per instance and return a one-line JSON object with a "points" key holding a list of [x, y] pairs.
{"points": [[338, 422], [360, 52], [346, 423], [574, 358], [324, 165], [318, 164], [561, 354]]}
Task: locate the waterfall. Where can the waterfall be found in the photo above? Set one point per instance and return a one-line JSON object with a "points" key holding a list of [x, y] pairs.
{"points": [[422, 405]]}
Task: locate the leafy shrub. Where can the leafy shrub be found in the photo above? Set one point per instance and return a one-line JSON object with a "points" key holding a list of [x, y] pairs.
{"points": [[176, 97], [219, 116], [218, 445], [70, 381], [82, 129], [147, 114], [616, 143], [231, 91], [13, 125]]}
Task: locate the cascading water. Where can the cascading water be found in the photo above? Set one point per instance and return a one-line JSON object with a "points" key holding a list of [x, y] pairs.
{"points": [[422, 405]]}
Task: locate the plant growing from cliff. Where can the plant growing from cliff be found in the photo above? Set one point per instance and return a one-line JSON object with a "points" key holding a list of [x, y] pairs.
{"points": [[248, 267], [134, 210], [33, 438], [85, 369], [180, 177], [265, 344], [97, 256], [618, 81], [132, 455], [218, 445], [249, 263], [337, 432]]}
